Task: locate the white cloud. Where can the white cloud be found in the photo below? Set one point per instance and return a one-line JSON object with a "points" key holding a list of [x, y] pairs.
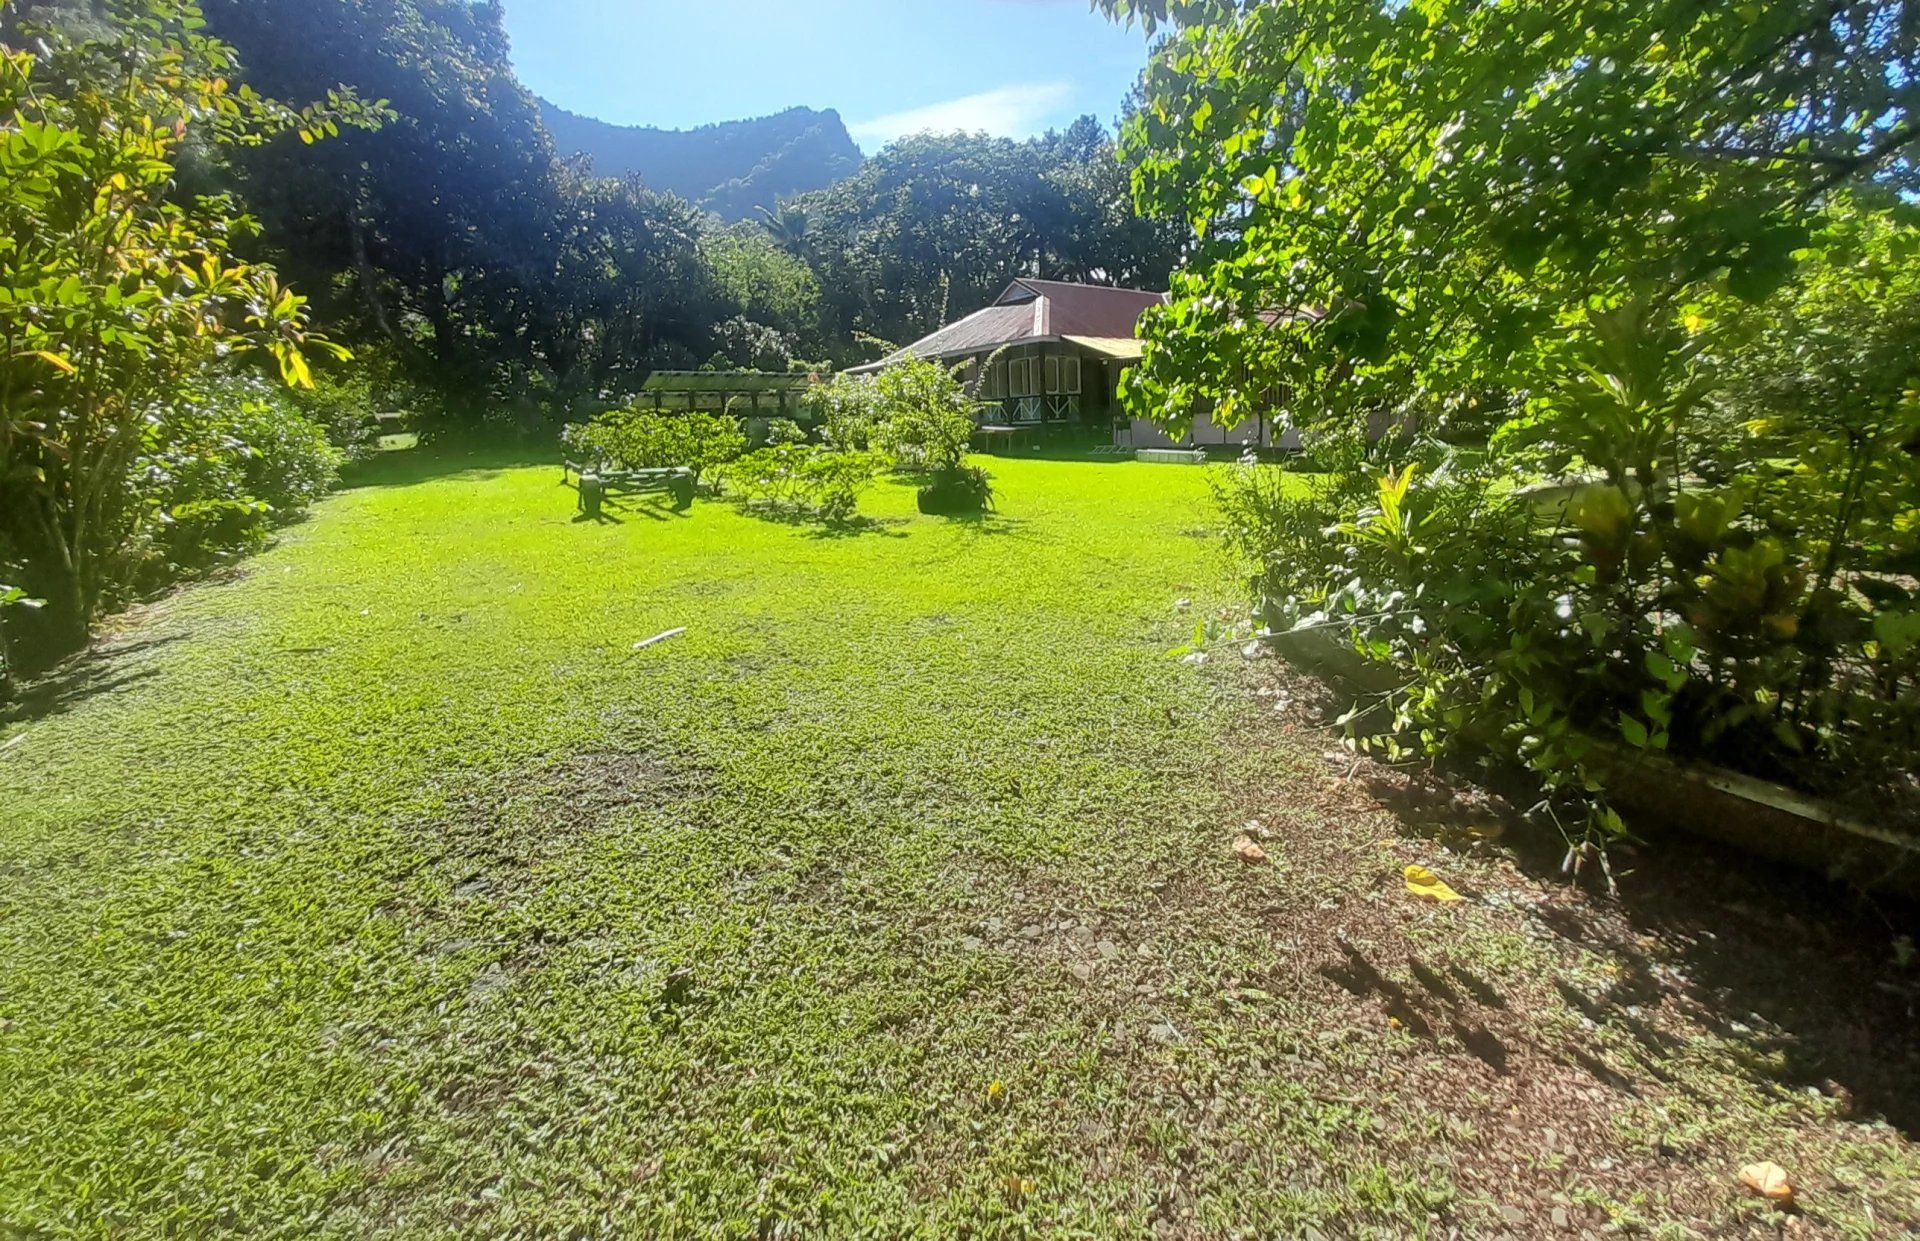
{"points": [[1009, 112]]}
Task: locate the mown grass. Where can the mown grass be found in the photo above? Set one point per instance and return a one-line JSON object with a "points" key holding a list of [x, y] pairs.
{"points": [[294, 931], [388, 888]]}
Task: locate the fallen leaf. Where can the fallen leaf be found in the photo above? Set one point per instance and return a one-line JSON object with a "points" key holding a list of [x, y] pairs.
{"points": [[1769, 1180], [1423, 882], [1248, 851]]}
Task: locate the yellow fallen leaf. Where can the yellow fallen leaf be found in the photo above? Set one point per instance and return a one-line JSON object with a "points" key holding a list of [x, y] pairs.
{"points": [[1423, 882], [1769, 1180], [1248, 851]]}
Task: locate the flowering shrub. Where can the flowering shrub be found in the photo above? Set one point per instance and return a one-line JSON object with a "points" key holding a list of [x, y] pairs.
{"points": [[803, 478], [847, 409], [926, 419], [632, 439]]}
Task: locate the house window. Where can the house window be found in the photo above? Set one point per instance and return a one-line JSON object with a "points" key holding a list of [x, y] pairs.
{"points": [[996, 384], [1052, 367], [1070, 375], [1017, 377]]}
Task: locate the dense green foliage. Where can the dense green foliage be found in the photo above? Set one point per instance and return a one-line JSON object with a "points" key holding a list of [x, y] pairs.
{"points": [[453, 234], [465, 239], [847, 409], [792, 477], [1608, 233], [935, 227], [231, 458], [119, 300], [644, 439], [926, 418]]}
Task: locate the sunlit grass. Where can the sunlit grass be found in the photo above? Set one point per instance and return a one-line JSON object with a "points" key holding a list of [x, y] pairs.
{"points": [[389, 888]]}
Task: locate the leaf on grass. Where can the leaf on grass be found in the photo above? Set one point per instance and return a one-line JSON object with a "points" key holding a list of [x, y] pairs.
{"points": [[1423, 882], [1247, 850], [1769, 1180]]}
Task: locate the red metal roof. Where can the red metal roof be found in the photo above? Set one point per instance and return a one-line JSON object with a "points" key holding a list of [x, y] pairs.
{"points": [[1091, 309], [1033, 310]]}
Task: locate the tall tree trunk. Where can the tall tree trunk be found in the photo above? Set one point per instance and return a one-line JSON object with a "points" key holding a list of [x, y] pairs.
{"points": [[368, 278]]}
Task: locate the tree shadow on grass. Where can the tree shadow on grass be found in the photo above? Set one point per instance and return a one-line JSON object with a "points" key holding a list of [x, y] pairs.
{"points": [[857, 527], [986, 524], [817, 527], [1778, 959], [474, 461], [103, 669]]}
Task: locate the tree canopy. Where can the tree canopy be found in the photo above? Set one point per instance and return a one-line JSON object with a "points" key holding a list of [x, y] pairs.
{"points": [[1657, 255], [1396, 204], [936, 225]]}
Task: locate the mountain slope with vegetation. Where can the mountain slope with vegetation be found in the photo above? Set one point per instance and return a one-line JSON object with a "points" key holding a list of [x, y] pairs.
{"points": [[729, 169]]}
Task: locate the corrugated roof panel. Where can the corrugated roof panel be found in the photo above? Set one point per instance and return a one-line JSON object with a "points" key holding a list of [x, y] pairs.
{"points": [[1033, 310]]}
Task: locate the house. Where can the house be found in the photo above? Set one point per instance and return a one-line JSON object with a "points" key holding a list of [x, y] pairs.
{"points": [[1054, 353]]}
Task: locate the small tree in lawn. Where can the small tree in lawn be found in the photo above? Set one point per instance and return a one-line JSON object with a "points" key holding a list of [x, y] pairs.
{"points": [[644, 439], [113, 293], [926, 423], [926, 418], [847, 409]]}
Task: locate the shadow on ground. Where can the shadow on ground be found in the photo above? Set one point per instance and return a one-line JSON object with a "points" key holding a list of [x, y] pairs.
{"points": [[445, 459], [104, 669], [1802, 970]]}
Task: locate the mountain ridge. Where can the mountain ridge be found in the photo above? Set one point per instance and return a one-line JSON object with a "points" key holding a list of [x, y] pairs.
{"points": [[728, 168]]}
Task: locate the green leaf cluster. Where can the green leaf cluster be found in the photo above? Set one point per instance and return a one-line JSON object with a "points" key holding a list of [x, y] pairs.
{"points": [[1649, 264]]}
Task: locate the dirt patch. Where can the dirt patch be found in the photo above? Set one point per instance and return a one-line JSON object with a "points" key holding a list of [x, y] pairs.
{"points": [[578, 792], [1606, 1058]]}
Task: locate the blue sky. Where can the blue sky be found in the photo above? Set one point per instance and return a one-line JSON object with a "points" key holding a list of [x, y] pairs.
{"points": [[1011, 67]]}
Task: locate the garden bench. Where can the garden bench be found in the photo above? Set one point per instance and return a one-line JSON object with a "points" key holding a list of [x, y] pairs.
{"points": [[1008, 434], [595, 482]]}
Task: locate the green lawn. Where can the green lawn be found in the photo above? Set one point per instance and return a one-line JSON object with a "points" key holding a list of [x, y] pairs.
{"points": [[386, 887]]}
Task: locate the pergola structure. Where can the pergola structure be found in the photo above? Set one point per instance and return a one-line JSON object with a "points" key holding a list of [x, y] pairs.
{"points": [[748, 394]]}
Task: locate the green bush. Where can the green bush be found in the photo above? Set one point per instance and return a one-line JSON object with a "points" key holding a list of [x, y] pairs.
{"points": [[802, 479], [217, 470], [847, 409], [346, 401], [925, 418], [1727, 573], [633, 439]]}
